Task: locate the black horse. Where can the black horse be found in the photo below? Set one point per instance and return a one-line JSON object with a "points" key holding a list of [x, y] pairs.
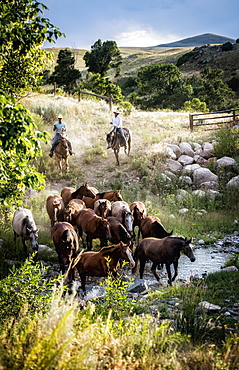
{"points": [[115, 142]]}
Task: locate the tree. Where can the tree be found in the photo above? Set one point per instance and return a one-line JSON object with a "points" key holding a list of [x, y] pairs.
{"points": [[65, 75], [22, 31], [102, 57]]}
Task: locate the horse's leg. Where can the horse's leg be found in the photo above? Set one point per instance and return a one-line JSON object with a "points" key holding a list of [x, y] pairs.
{"points": [[83, 280], [24, 247], [89, 243], [169, 274], [153, 269], [141, 269], [116, 151], [67, 163], [175, 264]]}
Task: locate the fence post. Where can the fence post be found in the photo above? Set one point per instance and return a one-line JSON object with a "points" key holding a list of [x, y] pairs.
{"points": [[110, 102], [79, 96], [191, 121], [54, 88]]}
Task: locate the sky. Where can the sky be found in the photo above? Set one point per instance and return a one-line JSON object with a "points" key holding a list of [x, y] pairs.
{"points": [[139, 23]]}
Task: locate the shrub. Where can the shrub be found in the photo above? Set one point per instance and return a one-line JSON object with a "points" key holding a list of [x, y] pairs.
{"points": [[227, 143]]}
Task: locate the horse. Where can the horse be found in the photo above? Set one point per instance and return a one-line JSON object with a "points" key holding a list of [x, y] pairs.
{"points": [[62, 153], [69, 193], [55, 208], [115, 142], [162, 251], [152, 226], [139, 212], [110, 195], [72, 210], [102, 207], [119, 232], [93, 226], [121, 210], [24, 226], [102, 263], [66, 243]]}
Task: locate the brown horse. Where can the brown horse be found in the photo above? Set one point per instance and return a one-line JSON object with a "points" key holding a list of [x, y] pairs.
{"points": [[93, 226], [139, 212], [121, 210], [68, 193], [72, 210], [112, 196], [61, 151], [119, 232], [162, 251], [152, 226], [102, 208], [115, 142], [55, 208], [102, 263]]}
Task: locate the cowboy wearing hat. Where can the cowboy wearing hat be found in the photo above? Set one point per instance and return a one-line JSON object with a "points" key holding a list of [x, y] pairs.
{"points": [[117, 122], [60, 128]]}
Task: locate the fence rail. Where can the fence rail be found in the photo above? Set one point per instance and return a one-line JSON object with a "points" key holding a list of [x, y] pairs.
{"points": [[109, 98], [226, 117]]}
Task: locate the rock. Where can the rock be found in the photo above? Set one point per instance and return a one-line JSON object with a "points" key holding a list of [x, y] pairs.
{"points": [[138, 287], [183, 210], [170, 174], [225, 162], [201, 242], [176, 150], [171, 152], [185, 159], [199, 193], [209, 307], [186, 149], [185, 181], [229, 268], [196, 146], [233, 183], [189, 168], [213, 185], [173, 165], [200, 161], [207, 146], [182, 195], [203, 175]]}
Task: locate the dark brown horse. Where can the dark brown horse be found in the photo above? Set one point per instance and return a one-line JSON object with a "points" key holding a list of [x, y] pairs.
{"points": [[72, 210], [121, 210], [111, 195], [102, 208], [115, 142], [61, 151], [152, 226], [68, 193], [119, 232], [102, 263], [162, 251], [139, 212], [93, 226], [55, 208]]}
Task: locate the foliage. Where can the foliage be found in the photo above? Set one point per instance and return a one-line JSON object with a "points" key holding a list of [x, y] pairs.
{"points": [[102, 57], [20, 143], [102, 86], [227, 143], [22, 31], [195, 105], [187, 57], [227, 46], [65, 75], [24, 288]]}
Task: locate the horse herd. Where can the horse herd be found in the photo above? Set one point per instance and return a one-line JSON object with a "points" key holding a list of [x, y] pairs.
{"points": [[82, 215]]}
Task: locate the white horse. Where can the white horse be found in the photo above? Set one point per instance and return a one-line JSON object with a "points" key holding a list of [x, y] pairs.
{"points": [[24, 226]]}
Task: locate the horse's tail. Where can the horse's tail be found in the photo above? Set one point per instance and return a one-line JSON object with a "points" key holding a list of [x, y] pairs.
{"points": [[135, 268], [71, 267]]}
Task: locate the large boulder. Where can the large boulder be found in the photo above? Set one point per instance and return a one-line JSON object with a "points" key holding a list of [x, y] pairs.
{"points": [[173, 165], [233, 183], [185, 159], [176, 150], [203, 175], [186, 149], [225, 162]]}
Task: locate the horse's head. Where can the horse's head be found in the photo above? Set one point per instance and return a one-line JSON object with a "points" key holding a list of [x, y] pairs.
{"points": [[187, 249], [126, 254], [33, 235], [117, 196], [105, 228], [109, 139], [86, 191]]}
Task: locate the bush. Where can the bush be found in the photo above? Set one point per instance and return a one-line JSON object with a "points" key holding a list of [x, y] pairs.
{"points": [[227, 143]]}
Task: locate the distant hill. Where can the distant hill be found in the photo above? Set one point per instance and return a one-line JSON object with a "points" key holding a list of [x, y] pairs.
{"points": [[206, 38]]}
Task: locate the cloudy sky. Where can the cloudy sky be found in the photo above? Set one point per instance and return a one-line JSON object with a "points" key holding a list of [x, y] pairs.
{"points": [[140, 22]]}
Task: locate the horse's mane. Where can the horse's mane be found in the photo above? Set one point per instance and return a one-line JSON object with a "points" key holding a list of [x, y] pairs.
{"points": [[76, 193], [177, 237], [28, 223], [101, 195], [109, 249]]}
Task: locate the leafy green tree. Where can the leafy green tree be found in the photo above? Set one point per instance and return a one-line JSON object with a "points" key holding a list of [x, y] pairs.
{"points": [[65, 74], [157, 84], [22, 31], [102, 57]]}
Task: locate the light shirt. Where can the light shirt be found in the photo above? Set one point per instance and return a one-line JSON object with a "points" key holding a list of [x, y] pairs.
{"points": [[117, 121], [59, 126]]}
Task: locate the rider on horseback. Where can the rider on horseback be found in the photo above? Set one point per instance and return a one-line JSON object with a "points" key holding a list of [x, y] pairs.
{"points": [[117, 122], [60, 128]]}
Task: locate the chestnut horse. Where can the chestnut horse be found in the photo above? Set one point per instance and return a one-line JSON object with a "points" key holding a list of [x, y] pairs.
{"points": [[152, 226], [139, 212], [162, 251], [55, 208], [102, 263], [93, 226], [68, 193], [72, 210], [61, 151], [115, 142], [112, 196]]}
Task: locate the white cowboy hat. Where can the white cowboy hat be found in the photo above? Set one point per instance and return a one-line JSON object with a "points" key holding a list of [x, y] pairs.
{"points": [[60, 116], [116, 111]]}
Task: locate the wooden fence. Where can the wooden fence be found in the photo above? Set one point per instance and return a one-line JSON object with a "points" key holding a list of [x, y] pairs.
{"points": [[227, 117], [109, 98]]}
